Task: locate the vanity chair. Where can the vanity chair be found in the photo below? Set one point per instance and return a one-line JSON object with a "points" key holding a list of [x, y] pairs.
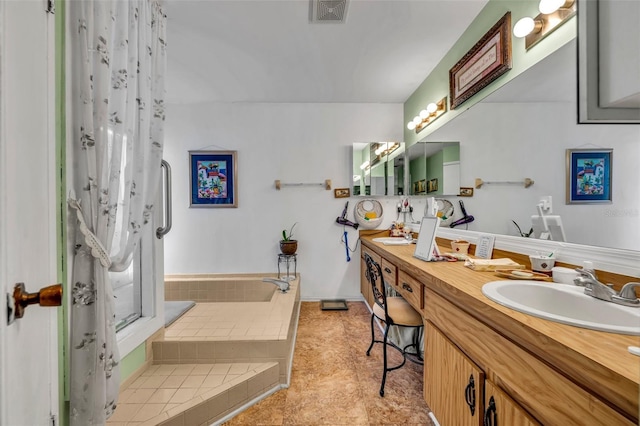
{"points": [[392, 311]]}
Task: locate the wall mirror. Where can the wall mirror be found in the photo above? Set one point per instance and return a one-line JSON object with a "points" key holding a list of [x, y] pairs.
{"points": [[375, 171], [433, 168], [523, 131], [389, 168]]}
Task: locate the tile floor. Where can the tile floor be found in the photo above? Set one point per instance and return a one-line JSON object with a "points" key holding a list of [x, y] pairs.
{"points": [[334, 383]]}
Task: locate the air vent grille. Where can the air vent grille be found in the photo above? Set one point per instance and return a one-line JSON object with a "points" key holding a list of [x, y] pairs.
{"points": [[328, 10]]}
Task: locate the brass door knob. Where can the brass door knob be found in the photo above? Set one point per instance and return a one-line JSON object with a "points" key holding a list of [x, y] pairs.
{"points": [[47, 296]]}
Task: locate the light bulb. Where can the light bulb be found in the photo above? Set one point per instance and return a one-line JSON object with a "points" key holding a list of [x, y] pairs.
{"points": [[523, 27], [431, 108], [411, 125], [364, 165], [549, 6], [424, 114], [417, 120]]}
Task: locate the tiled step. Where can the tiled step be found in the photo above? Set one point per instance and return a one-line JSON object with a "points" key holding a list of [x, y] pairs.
{"points": [[192, 394]]}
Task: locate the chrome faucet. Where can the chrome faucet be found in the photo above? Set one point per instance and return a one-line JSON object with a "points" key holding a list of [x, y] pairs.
{"points": [[627, 295], [282, 284], [595, 288]]}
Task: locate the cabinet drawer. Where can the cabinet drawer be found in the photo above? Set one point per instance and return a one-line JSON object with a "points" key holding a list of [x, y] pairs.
{"points": [[375, 256], [411, 289], [389, 273]]}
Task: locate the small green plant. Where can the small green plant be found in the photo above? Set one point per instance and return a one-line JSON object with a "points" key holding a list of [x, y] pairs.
{"points": [[289, 236]]}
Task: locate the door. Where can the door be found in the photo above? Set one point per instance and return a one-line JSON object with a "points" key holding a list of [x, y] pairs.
{"points": [[28, 346]]}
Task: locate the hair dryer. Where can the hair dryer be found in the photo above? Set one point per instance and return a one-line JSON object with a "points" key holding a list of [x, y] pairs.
{"points": [[466, 218], [342, 220]]}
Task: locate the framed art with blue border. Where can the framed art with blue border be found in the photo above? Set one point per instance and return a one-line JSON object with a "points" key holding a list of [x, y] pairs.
{"points": [[589, 176], [213, 181]]}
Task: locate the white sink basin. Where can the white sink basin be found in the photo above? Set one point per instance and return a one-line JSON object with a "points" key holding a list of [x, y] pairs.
{"points": [[392, 241], [566, 304]]}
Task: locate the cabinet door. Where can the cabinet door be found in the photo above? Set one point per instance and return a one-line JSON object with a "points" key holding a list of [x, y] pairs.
{"points": [[500, 409], [452, 383]]}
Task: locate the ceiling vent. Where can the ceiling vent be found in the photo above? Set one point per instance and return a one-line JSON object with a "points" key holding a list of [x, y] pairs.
{"points": [[327, 10]]}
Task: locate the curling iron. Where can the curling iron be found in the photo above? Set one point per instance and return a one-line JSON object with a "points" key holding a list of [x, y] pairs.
{"points": [[342, 220], [466, 218]]}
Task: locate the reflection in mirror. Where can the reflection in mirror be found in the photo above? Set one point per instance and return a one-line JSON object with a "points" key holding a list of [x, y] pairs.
{"points": [[434, 168], [523, 130], [374, 171]]}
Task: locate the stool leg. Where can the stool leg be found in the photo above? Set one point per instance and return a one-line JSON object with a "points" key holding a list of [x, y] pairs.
{"points": [[384, 373], [372, 337]]}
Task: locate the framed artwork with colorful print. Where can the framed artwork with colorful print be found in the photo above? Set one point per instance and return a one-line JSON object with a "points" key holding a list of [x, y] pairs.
{"points": [[589, 176], [213, 180]]}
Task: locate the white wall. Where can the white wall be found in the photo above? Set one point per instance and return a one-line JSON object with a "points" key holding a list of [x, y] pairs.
{"points": [[290, 142], [512, 141]]}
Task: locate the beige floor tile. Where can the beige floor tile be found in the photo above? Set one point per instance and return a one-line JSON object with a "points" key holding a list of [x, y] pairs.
{"points": [[147, 412], [183, 395], [193, 382], [213, 380], [138, 396], [161, 396], [173, 382]]}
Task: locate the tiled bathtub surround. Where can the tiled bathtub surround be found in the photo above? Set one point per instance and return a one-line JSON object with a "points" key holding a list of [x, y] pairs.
{"points": [[218, 356], [236, 328], [191, 394], [218, 288]]}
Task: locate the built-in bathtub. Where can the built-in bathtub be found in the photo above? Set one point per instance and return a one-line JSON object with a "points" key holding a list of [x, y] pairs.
{"points": [[236, 318], [230, 350]]}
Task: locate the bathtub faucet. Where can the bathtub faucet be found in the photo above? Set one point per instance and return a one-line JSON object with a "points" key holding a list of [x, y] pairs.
{"points": [[282, 284]]}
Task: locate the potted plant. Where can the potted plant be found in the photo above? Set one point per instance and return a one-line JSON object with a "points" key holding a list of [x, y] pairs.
{"points": [[288, 245]]}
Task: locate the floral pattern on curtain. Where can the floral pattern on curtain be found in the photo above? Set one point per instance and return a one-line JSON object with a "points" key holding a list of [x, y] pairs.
{"points": [[118, 62]]}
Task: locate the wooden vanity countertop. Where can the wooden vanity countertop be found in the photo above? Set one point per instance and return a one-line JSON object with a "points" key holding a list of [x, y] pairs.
{"points": [[597, 361]]}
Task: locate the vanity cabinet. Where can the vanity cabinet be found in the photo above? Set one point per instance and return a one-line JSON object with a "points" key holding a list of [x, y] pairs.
{"points": [[482, 359], [456, 390], [533, 385]]}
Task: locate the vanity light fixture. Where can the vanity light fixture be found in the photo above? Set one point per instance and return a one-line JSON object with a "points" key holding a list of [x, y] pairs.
{"points": [[428, 115], [386, 148], [553, 13]]}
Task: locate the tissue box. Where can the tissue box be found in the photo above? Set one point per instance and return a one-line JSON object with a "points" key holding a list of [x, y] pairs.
{"points": [[492, 264]]}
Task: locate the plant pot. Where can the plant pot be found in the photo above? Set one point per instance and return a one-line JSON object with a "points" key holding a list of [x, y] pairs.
{"points": [[288, 247]]}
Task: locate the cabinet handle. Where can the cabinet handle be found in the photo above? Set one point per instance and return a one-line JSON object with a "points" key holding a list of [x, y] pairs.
{"points": [[490, 415], [407, 287], [470, 395], [387, 270]]}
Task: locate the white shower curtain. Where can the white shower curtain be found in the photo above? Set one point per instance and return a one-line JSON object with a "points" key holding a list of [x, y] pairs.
{"points": [[117, 92]]}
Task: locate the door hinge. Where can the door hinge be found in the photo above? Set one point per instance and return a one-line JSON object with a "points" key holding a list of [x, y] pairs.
{"points": [[51, 6]]}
